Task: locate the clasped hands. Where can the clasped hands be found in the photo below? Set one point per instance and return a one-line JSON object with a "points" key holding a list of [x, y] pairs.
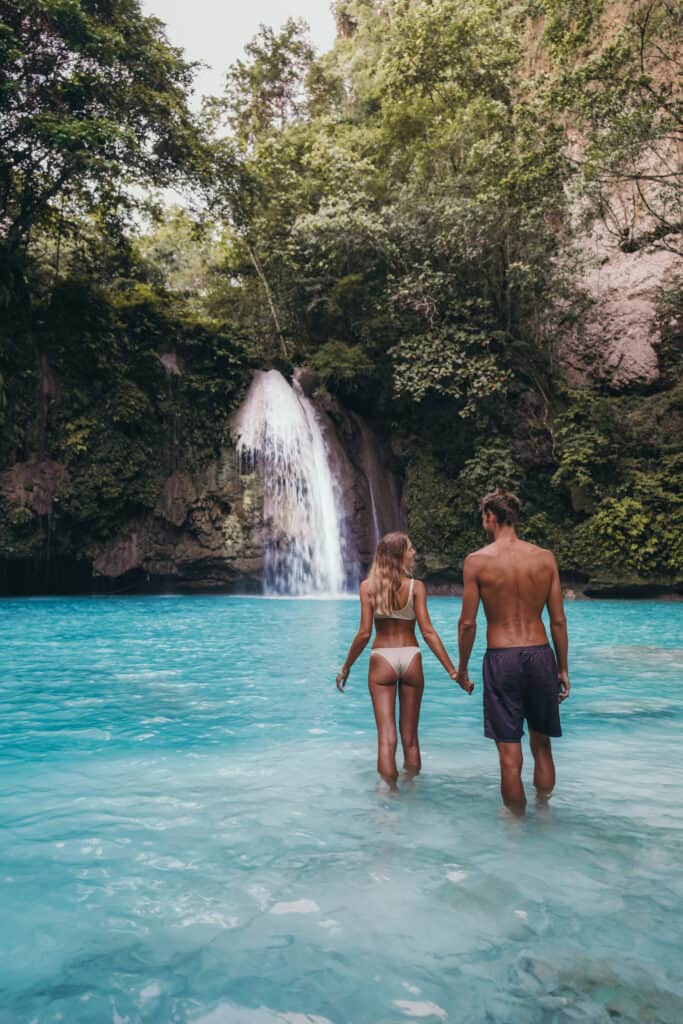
{"points": [[462, 679]]}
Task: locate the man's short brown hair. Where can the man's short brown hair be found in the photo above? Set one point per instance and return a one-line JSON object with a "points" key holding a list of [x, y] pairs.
{"points": [[504, 505]]}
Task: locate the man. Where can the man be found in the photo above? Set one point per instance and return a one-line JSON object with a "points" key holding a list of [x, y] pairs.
{"points": [[522, 679]]}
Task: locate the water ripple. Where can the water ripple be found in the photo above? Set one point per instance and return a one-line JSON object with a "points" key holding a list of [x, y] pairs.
{"points": [[193, 830]]}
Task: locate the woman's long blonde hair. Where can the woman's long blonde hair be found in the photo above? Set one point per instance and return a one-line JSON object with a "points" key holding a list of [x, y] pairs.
{"points": [[387, 573]]}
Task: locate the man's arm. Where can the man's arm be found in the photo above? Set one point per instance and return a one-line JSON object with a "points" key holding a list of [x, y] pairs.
{"points": [[558, 631], [467, 623]]}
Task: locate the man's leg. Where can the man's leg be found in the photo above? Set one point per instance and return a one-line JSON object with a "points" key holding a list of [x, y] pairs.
{"points": [[544, 767], [511, 787]]}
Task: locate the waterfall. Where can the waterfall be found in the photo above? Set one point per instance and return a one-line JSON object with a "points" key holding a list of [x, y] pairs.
{"points": [[376, 531], [385, 506], [279, 431]]}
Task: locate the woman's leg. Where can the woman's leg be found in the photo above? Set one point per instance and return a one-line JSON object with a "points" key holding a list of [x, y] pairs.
{"points": [[382, 686], [410, 690]]}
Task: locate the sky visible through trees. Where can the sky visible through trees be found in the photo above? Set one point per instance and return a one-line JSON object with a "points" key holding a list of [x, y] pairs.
{"points": [[216, 33]]}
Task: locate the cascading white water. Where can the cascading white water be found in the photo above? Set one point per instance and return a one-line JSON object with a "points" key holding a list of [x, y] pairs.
{"points": [[278, 431]]}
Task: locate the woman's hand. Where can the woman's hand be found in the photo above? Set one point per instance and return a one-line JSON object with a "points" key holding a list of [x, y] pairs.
{"points": [[342, 676], [462, 679]]}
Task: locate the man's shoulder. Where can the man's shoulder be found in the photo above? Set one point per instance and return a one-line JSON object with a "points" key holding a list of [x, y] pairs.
{"points": [[475, 556], [485, 554], [475, 559], [544, 554]]}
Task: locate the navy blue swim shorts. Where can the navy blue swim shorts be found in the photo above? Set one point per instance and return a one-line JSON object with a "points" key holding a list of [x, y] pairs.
{"points": [[519, 683]]}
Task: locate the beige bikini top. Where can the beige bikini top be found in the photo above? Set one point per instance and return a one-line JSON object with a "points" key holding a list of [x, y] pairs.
{"points": [[407, 612]]}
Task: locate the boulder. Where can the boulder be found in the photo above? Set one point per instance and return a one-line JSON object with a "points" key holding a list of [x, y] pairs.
{"points": [[118, 558]]}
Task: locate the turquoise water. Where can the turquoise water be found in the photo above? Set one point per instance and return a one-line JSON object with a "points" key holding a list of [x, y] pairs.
{"points": [[192, 828]]}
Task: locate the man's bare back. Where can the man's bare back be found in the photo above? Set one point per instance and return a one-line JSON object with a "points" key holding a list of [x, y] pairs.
{"points": [[514, 580]]}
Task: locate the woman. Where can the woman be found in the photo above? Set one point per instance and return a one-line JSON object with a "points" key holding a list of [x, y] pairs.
{"points": [[396, 601]]}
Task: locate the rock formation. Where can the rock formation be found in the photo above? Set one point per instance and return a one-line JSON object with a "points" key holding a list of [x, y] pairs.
{"points": [[207, 531], [614, 342]]}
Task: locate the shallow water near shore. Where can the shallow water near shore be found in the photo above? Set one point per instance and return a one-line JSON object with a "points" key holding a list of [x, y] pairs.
{"points": [[193, 830]]}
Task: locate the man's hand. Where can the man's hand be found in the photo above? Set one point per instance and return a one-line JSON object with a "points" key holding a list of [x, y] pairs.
{"points": [[563, 682], [342, 676], [463, 680]]}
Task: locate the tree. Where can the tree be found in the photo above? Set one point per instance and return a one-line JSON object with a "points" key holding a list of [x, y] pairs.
{"points": [[93, 103], [267, 90]]}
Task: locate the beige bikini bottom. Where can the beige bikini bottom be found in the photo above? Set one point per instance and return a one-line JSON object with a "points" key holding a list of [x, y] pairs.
{"points": [[398, 657]]}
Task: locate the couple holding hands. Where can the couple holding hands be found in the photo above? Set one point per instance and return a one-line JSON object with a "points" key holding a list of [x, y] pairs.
{"points": [[523, 678]]}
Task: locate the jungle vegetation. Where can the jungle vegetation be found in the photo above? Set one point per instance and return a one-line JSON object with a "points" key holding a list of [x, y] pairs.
{"points": [[399, 214]]}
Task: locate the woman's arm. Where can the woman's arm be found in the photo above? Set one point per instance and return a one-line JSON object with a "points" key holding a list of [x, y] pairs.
{"points": [[431, 637], [361, 638]]}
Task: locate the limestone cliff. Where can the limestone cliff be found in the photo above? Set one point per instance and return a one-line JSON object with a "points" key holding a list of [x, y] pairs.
{"points": [[614, 342]]}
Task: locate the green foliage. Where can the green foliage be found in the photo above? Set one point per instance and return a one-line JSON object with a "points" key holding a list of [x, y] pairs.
{"points": [[21, 534], [587, 447], [397, 214], [341, 366], [493, 465], [631, 488], [670, 323], [454, 363], [626, 536], [179, 254], [431, 499], [267, 89], [619, 80], [412, 179], [622, 530], [442, 510], [104, 109], [120, 422]]}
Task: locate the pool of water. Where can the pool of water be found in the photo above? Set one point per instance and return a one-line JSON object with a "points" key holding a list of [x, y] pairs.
{"points": [[192, 828]]}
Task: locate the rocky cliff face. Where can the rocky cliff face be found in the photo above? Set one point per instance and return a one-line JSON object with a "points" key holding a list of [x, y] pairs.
{"points": [[615, 341], [205, 533], [371, 487], [207, 530]]}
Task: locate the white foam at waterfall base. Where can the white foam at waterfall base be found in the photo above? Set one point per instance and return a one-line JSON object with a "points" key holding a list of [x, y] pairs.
{"points": [[277, 430]]}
